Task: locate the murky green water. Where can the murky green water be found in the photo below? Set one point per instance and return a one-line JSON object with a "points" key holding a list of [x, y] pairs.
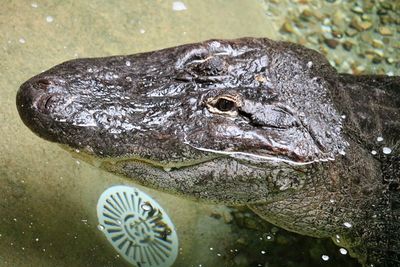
{"points": [[48, 199]]}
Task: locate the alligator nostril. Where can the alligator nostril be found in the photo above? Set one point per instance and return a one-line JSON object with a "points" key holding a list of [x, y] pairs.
{"points": [[43, 83], [45, 103], [48, 102]]}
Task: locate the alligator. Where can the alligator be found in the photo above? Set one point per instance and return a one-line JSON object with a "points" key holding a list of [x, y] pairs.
{"points": [[252, 121]]}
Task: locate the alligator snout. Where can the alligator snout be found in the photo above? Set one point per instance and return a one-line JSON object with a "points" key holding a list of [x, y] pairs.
{"points": [[39, 95], [36, 98]]}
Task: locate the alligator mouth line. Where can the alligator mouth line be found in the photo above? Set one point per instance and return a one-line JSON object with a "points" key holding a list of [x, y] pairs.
{"points": [[174, 165], [261, 158], [98, 161]]}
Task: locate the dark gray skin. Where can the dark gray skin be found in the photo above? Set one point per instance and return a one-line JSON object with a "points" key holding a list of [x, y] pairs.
{"points": [[249, 122]]}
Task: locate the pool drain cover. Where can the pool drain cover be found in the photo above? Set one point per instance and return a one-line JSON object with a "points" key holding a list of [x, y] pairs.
{"points": [[137, 227]]}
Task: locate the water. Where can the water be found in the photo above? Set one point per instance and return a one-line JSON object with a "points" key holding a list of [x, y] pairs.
{"points": [[45, 195]]}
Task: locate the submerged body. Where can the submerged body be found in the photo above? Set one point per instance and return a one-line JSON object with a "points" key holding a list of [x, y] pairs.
{"points": [[249, 121]]}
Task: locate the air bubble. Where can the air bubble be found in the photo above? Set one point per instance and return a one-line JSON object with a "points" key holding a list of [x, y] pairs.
{"points": [[379, 139], [100, 227], [325, 257], [373, 152], [49, 19], [386, 150], [343, 251], [147, 207], [178, 6], [347, 225]]}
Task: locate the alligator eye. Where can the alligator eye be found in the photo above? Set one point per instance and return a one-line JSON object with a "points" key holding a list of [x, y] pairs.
{"points": [[224, 104]]}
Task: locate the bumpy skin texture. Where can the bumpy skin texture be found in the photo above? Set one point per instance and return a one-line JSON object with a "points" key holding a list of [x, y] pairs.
{"points": [[249, 121]]}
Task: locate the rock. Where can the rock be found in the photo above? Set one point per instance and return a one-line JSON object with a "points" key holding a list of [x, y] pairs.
{"points": [[376, 60], [302, 40], [287, 27], [250, 223], [386, 5], [338, 18], [331, 43], [347, 45], [319, 15], [306, 15], [228, 218], [239, 219], [390, 60], [337, 34], [366, 37], [385, 31], [382, 12], [378, 52], [386, 19], [326, 29], [377, 43], [359, 25], [215, 215], [351, 32], [298, 23], [366, 17], [357, 10], [357, 68], [386, 40]]}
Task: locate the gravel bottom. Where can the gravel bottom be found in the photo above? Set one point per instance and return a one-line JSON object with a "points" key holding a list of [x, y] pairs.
{"points": [[357, 37]]}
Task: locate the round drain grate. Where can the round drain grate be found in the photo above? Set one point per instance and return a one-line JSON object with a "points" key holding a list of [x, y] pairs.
{"points": [[137, 227]]}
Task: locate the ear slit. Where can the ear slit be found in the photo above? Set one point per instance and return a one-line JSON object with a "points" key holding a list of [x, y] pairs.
{"points": [[250, 118]]}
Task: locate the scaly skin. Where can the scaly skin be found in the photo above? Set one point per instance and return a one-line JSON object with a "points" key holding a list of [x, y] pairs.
{"points": [[249, 121]]}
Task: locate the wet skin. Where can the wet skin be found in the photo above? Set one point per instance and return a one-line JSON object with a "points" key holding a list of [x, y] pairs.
{"points": [[249, 122]]}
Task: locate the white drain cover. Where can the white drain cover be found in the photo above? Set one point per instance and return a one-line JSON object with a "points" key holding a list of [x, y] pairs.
{"points": [[137, 227]]}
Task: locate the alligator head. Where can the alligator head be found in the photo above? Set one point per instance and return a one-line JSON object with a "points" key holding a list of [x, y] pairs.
{"points": [[229, 121]]}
